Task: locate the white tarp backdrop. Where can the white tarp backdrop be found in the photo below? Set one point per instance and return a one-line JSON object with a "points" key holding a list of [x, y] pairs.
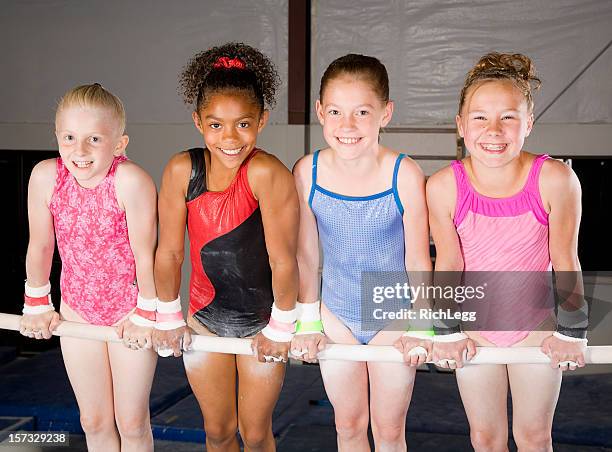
{"points": [[428, 46], [135, 48]]}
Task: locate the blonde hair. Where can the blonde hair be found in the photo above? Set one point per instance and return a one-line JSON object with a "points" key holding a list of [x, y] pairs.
{"points": [[94, 95], [514, 67]]}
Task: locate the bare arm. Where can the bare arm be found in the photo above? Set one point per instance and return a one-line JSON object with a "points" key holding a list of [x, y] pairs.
{"points": [[137, 195], [308, 236], [172, 221], [441, 196], [40, 247], [411, 191], [307, 344], [273, 186], [170, 249], [441, 200], [42, 237], [561, 195]]}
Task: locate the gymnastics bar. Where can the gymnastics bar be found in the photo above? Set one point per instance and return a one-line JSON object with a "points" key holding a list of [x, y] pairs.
{"points": [[380, 353]]}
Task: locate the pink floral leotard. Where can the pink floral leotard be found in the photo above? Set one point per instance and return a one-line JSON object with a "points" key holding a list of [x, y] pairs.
{"points": [[98, 279]]}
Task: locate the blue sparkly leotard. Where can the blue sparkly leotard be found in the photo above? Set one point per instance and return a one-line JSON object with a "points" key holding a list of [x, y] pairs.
{"points": [[358, 234]]}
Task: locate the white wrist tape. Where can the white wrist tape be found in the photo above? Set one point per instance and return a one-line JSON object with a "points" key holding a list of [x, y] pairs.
{"points": [[281, 326], [309, 318], [35, 310], [455, 337], [565, 338], [37, 292], [170, 310], [144, 306], [283, 316], [308, 312], [276, 335]]}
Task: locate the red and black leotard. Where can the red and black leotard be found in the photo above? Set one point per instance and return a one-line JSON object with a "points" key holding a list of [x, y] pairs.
{"points": [[231, 280]]}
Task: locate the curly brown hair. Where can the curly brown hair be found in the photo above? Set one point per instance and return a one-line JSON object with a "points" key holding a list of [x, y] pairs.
{"points": [[202, 76], [515, 67]]}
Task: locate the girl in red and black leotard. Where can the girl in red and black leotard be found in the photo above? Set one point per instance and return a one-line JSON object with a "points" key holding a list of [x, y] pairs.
{"points": [[241, 211], [231, 280]]}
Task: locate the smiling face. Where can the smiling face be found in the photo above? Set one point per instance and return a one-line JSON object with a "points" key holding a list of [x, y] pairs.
{"points": [[494, 122], [230, 122], [88, 138], [352, 114]]}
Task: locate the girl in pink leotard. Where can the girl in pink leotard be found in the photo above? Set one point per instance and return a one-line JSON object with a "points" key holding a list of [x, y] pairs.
{"points": [[101, 208], [502, 210]]}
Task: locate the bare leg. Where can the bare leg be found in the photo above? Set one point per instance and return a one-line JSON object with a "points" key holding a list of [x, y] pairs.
{"points": [[535, 391], [132, 373], [346, 384], [88, 368], [212, 377], [484, 392], [391, 387], [259, 385]]}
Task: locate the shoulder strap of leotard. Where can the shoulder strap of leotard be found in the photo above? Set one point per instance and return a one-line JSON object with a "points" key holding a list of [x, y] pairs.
{"points": [[398, 201], [197, 180], [116, 162], [461, 179], [313, 182], [534, 174]]}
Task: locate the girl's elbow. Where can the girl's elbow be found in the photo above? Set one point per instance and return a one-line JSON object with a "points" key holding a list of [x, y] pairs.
{"points": [[40, 250], [288, 263], [565, 262], [175, 257], [448, 263]]}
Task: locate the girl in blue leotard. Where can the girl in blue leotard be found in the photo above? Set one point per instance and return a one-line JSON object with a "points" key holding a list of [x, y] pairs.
{"points": [[366, 205]]}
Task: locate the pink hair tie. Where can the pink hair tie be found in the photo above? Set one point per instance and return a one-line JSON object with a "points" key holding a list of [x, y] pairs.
{"points": [[228, 63]]}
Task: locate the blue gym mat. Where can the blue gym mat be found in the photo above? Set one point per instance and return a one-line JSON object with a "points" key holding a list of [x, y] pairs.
{"points": [[39, 387]]}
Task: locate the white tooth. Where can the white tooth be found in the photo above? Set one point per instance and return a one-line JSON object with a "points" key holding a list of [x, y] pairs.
{"points": [[493, 147], [82, 164]]}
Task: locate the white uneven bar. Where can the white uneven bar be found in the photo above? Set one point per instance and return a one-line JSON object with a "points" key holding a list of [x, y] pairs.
{"points": [[386, 353]]}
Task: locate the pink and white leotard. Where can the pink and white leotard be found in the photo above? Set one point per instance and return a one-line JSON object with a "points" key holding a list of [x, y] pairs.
{"points": [[505, 235], [98, 278]]}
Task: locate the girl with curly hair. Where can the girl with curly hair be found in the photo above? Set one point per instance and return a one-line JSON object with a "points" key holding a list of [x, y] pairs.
{"points": [[240, 208]]}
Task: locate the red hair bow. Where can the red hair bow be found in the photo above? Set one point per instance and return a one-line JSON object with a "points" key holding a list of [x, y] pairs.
{"points": [[227, 63]]}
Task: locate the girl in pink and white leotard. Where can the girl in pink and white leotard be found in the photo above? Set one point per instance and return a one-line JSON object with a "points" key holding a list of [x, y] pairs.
{"points": [[506, 235], [514, 215], [102, 209]]}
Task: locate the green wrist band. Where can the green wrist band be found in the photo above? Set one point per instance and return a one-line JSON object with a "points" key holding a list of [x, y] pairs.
{"points": [[429, 332], [309, 327]]}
